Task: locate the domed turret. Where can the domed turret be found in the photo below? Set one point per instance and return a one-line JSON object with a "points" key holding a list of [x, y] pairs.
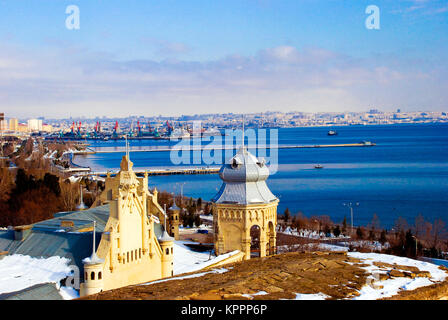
{"points": [[244, 180]]}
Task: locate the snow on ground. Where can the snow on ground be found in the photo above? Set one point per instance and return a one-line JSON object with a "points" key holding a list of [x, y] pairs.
{"points": [[312, 234], [387, 288], [310, 296], [312, 246], [206, 217], [187, 260], [194, 229], [251, 295], [68, 293], [73, 179], [18, 272]]}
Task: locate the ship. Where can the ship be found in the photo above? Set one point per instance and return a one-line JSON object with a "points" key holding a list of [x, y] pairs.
{"points": [[318, 166], [332, 132]]}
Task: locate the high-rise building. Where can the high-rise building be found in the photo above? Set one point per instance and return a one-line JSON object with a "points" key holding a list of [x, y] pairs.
{"points": [[35, 125], [14, 124]]}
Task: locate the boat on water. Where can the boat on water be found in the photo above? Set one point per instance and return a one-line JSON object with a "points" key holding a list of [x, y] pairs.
{"points": [[318, 166], [368, 143], [332, 133]]}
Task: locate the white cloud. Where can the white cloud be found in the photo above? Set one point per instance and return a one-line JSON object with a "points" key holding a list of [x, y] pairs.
{"points": [[57, 83]]}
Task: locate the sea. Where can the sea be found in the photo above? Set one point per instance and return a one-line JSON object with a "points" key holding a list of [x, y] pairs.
{"points": [[405, 174]]}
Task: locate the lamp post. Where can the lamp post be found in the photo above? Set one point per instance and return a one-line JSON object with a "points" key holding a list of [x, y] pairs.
{"points": [[350, 205], [416, 245]]}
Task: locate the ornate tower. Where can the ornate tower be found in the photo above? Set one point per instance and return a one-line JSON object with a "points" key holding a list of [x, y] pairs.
{"points": [[174, 220], [244, 202]]}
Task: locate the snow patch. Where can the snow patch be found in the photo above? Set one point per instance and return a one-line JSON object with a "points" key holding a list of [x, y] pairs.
{"points": [[390, 287], [18, 272]]}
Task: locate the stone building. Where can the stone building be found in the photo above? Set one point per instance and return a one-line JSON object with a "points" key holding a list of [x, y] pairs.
{"points": [[129, 251], [244, 209], [110, 193]]}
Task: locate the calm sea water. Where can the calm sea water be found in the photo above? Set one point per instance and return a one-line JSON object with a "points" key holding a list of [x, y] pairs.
{"points": [[405, 174]]}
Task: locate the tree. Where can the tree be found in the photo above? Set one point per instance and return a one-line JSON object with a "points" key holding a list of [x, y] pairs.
{"points": [[337, 231], [52, 182], [359, 233], [383, 238], [344, 225], [286, 215], [197, 220], [327, 230]]}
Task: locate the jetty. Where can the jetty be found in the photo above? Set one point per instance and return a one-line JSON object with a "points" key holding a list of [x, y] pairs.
{"points": [[155, 172], [177, 148]]}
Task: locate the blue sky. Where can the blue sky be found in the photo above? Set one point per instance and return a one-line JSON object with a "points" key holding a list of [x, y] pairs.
{"points": [[185, 57]]}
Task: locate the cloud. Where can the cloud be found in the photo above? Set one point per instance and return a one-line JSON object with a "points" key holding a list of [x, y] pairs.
{"points": [[164, 48], [424, 7], [56, 83]]}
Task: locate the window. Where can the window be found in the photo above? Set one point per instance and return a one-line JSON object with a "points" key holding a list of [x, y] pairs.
{"points": [[167, 251], [140, 253], [132, 255], [99, 275], [171, 250], [92, 275], [136, 254], [127, 256]]}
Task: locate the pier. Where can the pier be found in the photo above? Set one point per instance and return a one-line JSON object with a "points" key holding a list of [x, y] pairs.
{"points": [[202, 148], [155, 172]]}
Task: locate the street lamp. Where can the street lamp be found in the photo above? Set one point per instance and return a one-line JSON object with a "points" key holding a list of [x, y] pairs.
{"points": [[350, 205], [416, 245]]}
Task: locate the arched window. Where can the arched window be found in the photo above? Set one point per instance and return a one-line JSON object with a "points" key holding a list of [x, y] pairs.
{"points": [[99, 275], [171, 250], [132, 255], [127, 256], [140, 253], [92, 275], [86, 277], [167, 251], [136, 254]]}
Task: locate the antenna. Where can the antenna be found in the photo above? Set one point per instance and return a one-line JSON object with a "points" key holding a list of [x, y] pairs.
{"points": [[94, 225], [164, 212], [127, 147], [243, 133]]}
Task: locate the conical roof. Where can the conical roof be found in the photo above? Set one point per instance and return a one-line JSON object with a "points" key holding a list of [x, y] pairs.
{"points": [[174, 207], [165, 237], [244, 180]]}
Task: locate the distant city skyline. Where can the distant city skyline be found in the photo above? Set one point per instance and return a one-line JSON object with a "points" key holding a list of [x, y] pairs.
{"points": [[176, 57]]}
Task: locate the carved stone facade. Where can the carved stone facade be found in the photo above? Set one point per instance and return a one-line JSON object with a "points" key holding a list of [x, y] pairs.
{"points": [[129, 251], [152, 206], [244, 201], [233, 223]]}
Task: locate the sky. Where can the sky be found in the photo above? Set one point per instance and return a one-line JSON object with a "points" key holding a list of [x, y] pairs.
{"points": [[148, 57]]}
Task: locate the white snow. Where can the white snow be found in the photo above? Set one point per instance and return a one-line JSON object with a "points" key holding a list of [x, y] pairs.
{"points": [[18, 272], [74, 179], [251, 295], [311, 234], [390, 287], [309, 296], [68, 293], [185, 260], [206, 217]]}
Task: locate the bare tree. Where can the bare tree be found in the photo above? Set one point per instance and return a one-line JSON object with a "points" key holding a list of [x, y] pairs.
{"points": [[69, 195]]}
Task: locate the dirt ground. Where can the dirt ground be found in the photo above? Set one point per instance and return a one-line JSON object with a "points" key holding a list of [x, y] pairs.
{"points": [[281, 276]]}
